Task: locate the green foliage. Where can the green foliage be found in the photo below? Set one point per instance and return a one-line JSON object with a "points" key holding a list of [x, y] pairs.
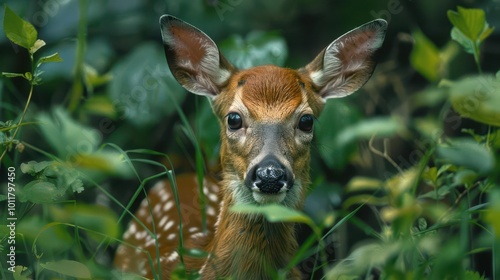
{"points": [[470, 29], [19, 31], [434, 210], [68, 268], [257, 48], [478, 98]]}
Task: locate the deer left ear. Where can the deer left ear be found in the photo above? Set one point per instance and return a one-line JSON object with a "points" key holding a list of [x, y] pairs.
{"points": [[348, 62]]}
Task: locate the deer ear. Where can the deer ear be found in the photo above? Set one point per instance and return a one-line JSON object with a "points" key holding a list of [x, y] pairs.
{"points": [[348, 62], [193, 58]]}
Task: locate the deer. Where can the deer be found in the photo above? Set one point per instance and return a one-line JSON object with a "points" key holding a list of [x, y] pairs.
{"points": [[266, 115]]}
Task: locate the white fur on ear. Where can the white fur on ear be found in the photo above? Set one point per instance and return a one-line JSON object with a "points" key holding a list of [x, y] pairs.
{"points": [[193, 58], [348, 62]]}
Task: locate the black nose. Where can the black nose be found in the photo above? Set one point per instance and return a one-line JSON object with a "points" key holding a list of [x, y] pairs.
{"points": [[268, 177]]}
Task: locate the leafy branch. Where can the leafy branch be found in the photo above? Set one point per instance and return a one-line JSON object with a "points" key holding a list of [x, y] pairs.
{"points": [[24, 34]]}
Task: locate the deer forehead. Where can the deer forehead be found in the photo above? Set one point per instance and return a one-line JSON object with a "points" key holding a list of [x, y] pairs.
{"points": [[269, 93]]}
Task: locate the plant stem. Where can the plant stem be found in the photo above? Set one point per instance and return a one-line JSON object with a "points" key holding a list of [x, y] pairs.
{"points": [[77, 88], [18, 126], [476, 58]]}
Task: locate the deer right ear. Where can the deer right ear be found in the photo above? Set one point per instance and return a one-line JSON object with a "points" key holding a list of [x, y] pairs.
{"points": [[348, 62], [193, 58]]}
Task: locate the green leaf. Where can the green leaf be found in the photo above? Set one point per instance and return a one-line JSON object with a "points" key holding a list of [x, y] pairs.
{"points": [[12, 75], [465, 42], [68, 268], [51, 58], [478, 98], [335, 154], [38, 44], [19, 31], [275, 213], [360, 183], [94, 218], [142, 88], [100, 105], [365, 129], [33, 167], [258, 48], [467, 153], [40, 191], [425, 57], [17, 275], [470, 22]]}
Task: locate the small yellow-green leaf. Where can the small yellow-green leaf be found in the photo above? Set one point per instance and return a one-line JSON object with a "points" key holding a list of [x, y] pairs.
{"points": [[38, 44], [363, 183], [101, 105], [486, 33], [68, 268], [50, 58], [19, 31], [425, 57]]}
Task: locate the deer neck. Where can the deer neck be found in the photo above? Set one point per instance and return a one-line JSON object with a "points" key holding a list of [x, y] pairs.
{"points": [[248, 246]]}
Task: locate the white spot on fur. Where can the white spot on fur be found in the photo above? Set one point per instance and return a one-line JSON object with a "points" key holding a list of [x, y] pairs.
{"points": [[163, 221], [173, 256], [168, 225], [171, 236], [168, 206]]}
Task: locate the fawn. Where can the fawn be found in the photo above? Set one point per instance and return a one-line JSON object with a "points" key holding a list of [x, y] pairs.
{"points": [[266, 114]]}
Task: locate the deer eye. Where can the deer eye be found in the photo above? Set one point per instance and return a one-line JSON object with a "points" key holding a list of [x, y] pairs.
{"points": [[306, 123], [234, 121]]}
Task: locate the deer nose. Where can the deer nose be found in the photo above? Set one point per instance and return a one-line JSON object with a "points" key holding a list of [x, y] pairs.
{"points": [[269, 177]]}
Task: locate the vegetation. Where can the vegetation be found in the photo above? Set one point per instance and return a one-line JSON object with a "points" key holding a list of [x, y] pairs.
{"points": [[405, 172]]}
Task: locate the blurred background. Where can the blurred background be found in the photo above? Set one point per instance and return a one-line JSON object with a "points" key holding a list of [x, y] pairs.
{"points": [[114, 86]]}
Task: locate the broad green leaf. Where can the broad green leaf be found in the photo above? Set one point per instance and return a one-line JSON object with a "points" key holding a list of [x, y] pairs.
{"points": [[40, 191], [258, 48], [68, 268], [365, 129], [467, 153], [478, 98], [95, 218], [275, 213], [19, 31], [51, 58], [142, 89], [67, 136], [470, 22], [425, 57], [17, 275]]}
